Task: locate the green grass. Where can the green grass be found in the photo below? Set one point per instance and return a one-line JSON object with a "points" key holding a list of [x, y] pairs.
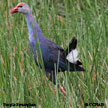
{"points": [[21, 81]]}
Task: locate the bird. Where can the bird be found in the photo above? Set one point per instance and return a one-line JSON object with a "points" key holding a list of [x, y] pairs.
{"points": [[52, 53]]}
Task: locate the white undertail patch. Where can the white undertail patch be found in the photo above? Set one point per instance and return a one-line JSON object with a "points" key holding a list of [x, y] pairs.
{"points": [[72, 56]]}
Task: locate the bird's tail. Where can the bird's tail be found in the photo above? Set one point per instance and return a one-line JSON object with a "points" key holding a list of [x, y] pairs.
{"points": [[72, 46], [71, 56], [72, 53]]}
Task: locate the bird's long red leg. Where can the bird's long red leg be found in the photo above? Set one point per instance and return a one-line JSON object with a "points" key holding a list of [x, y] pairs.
{"points": [[62, 90], [64, 93]]}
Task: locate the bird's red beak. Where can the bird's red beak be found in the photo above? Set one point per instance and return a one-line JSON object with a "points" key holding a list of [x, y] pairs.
{"points": [[14, 10]]}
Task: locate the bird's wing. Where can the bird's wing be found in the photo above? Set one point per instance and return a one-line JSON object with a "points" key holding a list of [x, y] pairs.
{"points": [[54, 55]]}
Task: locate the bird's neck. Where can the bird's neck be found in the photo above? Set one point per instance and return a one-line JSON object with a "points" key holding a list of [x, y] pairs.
{"points": [[34, 30]]}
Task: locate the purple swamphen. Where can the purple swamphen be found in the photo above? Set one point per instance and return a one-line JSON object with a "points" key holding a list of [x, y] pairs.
{"points": [[51, 53]]}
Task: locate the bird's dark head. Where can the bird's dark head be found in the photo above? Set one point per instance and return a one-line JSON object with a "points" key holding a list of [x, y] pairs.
{"points": [[22, 8]]}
